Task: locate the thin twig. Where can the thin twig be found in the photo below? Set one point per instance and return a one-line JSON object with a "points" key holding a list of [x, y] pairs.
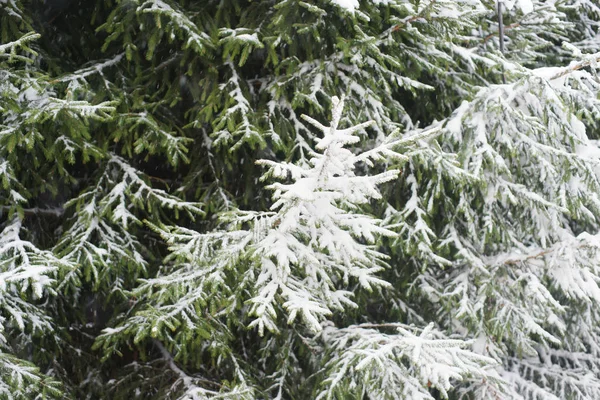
{"points": [[506, 28], [44, 212], [595, 58]]}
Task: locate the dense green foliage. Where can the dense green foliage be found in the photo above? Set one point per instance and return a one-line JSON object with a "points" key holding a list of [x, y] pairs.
{"points": [[299, 199]]}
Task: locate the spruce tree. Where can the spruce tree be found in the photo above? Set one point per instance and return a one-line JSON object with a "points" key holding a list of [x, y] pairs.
{"points": [[327, 199]]}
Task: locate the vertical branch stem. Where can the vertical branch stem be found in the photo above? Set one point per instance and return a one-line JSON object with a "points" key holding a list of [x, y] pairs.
{"points": [[501, 34]]}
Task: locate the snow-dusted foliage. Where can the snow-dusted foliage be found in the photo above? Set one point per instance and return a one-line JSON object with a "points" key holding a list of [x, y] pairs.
{"points": [[521, 232], [299, 259], [28, 272], [25, 276], [403, 364], [173, 225]]}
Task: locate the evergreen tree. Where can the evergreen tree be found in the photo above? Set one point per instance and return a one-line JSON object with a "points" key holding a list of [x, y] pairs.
{"points": [[285, 199]]}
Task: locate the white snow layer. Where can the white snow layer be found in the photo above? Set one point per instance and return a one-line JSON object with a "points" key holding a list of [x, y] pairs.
{"points": [[352, 5]]}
